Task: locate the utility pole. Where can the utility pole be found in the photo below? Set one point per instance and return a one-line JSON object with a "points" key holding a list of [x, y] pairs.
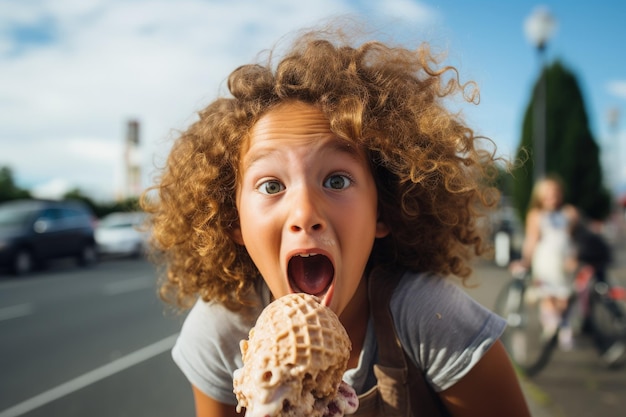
{"points": [[539, 27], [132, 161]]}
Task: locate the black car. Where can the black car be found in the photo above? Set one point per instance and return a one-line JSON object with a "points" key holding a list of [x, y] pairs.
{"points": [[35, 231]]}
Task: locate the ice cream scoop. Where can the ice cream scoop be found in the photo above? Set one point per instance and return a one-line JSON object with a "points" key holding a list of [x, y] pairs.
{"points": [[293, 362]]}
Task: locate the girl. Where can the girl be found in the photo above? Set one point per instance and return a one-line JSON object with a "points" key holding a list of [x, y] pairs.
{"points": [[338, 172], [549, 251]]}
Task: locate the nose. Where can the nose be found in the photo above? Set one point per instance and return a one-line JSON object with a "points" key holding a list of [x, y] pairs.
{"points": [[305, 211]]}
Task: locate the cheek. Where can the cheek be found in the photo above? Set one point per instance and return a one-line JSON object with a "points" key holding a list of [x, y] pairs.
{"points": [[250, 226], [359, 223], [244, 211], [258, 229]]}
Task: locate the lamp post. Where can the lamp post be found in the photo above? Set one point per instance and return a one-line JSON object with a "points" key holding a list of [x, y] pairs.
{"points": [[615, 170], [539, 27]]}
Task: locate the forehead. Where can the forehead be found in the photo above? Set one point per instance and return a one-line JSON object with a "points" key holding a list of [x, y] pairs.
{"points": [[549, 189], [290, 119], [550, 185], [293, 124], [295, 127]]}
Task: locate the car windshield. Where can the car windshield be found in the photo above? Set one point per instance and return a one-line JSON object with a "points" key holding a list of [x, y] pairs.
{"points": [[14, 216], [120, 221]]}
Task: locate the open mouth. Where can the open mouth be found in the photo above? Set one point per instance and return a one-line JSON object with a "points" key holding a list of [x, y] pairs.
{"points": [[310, 273]]}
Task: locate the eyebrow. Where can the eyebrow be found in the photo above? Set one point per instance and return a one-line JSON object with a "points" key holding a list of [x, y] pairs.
{"points": [[345, 146]]}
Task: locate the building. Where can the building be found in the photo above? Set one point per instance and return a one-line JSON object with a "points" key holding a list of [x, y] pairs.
{"points": [[132, 161]]}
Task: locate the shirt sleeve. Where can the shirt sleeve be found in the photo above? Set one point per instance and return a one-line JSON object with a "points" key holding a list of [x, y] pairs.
{"points": [[443, 329], [207, 349]]}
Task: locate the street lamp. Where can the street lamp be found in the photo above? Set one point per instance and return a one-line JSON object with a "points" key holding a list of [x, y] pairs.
{"points": [[615, 170], [539, 27]]}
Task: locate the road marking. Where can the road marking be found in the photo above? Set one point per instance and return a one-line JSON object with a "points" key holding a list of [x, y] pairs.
{"points": [[15, 311], [91, 377], [134, 284]]}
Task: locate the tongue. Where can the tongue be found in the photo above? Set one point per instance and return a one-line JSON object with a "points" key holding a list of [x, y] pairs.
{"points": [[312, 274]]}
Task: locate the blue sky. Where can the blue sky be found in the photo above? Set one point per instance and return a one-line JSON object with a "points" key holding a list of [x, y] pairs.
{"points": [[72, 72]]}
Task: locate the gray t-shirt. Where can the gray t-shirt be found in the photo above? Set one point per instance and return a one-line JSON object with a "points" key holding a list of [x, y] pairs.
{"points": [[443, 330]]}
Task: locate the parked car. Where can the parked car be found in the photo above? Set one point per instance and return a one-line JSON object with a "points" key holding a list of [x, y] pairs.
{"points": [[120, 234], [33, 232]]}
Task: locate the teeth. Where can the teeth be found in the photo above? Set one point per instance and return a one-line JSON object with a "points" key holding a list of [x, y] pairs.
{"points": [[306, 255]]}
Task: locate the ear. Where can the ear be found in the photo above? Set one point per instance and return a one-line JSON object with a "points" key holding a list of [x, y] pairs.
{"points": [[236, 235], [382, 229]]}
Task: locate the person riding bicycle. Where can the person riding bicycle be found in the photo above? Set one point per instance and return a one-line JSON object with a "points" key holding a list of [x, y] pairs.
{"points": [[594, 255], [548, 251], [592, 249]]}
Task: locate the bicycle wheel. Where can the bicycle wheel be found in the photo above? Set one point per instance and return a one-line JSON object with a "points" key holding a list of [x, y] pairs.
{"points": [[524, 338], [509, 300], [608, 324]]}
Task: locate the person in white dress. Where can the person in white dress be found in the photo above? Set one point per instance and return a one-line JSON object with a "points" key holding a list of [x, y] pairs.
{"points": [[549, 252]]}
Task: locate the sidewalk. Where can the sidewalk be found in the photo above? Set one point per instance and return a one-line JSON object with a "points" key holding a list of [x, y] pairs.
{"points": [[539, 402]]}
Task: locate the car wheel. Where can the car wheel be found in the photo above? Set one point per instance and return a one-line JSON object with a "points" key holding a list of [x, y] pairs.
{"points": [[88, 255], [23, 263], [138, 252]]}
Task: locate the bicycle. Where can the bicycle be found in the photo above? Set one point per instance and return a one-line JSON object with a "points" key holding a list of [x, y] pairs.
{"points": [[601, 306]]}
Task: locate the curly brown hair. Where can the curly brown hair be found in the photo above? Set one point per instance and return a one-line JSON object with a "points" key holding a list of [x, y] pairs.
{"points": [[433, 177]]}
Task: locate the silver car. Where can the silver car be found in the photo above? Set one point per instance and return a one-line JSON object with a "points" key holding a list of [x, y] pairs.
{"points": [[120, 234]]}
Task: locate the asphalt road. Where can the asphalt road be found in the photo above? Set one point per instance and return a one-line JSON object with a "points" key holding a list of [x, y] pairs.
{"points": [[89, 342], [96, 342]]}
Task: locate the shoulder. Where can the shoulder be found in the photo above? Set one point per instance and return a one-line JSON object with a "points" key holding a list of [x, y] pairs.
{"points": [[571, 213], [534, 216], [207, 348], [441, 327], [427, 289], [215, 319], [432, 301]]}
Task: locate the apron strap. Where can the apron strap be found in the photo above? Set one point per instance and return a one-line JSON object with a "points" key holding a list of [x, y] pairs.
{"points": [[402, 386]]}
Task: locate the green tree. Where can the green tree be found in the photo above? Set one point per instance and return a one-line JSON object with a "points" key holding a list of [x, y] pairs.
{"points": [[101, 209], [571, 151], [77, 194], [8, 189], [504, 182]]}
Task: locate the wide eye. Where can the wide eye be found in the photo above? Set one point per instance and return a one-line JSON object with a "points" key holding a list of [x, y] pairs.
{"points": [[270, 187], [337, 182]]}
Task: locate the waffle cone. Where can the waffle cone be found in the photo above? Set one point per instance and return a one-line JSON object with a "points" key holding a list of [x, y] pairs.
{"points": [[293, 360]]}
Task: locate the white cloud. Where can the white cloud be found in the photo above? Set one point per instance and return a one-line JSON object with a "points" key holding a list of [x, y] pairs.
{"points": [[64, 112], [408, 10], [52, 189], [617, 88]]}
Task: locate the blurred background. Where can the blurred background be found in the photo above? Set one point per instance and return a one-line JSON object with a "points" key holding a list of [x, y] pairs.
{"points": [[93, 93]]}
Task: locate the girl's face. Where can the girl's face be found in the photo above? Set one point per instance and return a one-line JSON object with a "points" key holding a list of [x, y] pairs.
{"points": [[550, 195], [307, 206]]}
